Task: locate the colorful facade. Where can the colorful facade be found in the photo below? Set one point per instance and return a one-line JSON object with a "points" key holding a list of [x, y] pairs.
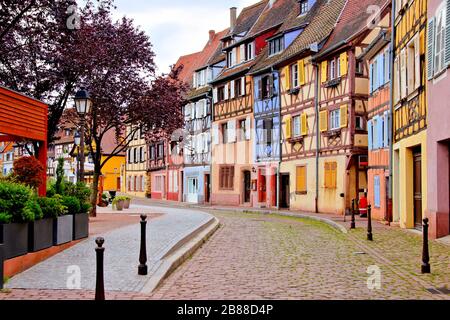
{"points": [[378, 57], [438, 132], [135, 182], [410, 189]]}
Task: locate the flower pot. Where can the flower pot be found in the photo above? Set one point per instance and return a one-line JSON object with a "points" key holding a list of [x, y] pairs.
{"points": [[80, 226], [40, 235], [62, 229], [14, 236], [119, 205], [126, 204]]}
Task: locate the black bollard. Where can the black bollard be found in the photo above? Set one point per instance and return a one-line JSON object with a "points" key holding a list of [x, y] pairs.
{"points": [[1, 266], [100, 283], [142, 269], [369, 223], [426, 268], [353, 224]]}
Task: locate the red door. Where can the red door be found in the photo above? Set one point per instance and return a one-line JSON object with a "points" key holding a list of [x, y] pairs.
{"points": [[262, 193]]}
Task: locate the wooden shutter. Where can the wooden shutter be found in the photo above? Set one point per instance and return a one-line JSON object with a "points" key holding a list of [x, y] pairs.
{"points": [[248, 128], [243, 86], [304, 124], [381, 80], [288, 127], [232, 89], [215, 95], [386, 133], [324, 74], [333, 174], [447, 35], [232, 130], [380, 129], [430, 48], [323, 121], [259, 89], [370, 135], [417, 68], [372, 78], [242, 53], [327, 175], [343, 116], [344, 64], [396, 80], [301, 179], [301, 72], [226, 91], [287, 78], [215, 134], [403, 75]]}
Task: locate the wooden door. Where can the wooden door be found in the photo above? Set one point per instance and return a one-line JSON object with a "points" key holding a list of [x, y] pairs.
{"points": [[285, 192], [417, 175], [247, 186], [207, 188], [262, 193]]}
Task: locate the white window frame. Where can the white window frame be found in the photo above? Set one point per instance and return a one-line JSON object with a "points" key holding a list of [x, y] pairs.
{"points": [[439, 57], [295, 76], [296, 126], [335, 119]]}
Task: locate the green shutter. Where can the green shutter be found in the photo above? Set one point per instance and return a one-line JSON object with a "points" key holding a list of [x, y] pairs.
{"points": [[430, 48]]}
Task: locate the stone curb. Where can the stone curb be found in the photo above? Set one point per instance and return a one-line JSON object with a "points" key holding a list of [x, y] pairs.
{"points": [[181, 252]]}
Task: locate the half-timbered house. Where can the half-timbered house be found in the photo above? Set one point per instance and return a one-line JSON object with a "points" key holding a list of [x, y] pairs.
{"points": [[410, 113], [232, 147], [342, 99]]}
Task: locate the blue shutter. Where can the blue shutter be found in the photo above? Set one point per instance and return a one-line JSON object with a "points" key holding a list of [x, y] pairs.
{"points": [[380, 128], [430, 48], [386, 134], [447, 34], [369, 130], [376, 188], [371, 78], [381, 70]]}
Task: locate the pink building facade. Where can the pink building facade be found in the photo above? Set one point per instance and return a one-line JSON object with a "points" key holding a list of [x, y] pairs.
{"points": [[438, 140]]}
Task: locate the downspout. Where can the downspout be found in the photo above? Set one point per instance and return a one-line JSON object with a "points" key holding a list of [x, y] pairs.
{"points": [[391, 115], [280, 141], [316, 106]]}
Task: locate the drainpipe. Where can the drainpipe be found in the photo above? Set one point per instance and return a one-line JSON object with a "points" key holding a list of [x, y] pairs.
{"points": [[391, 112], [316, 105], [280, 134]]}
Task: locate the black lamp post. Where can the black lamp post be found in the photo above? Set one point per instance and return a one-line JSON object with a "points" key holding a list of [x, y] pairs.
{"points": [[77, 141], [83, 105]]}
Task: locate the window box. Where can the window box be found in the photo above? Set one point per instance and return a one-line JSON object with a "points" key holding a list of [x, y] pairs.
{"points": [[298, 139], [14, 237], [40, 235], [333, 83], [294, 91], [332, 133]]}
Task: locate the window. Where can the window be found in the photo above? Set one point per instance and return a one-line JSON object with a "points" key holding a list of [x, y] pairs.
{"points": [[297, 126], [301, 180], [413, 65], [250, 51], [141, 154], [135, 155], [238, 87], [192, 185], [142, 183], [242, 129], [332, 69], [330, 175], [226, 178], [221, 94], [376, 191], [439, 54], [335, 119], [304, 7], [360, 123], [266, 87], [152, 152], [276, 45], [230, 59], [161, 150], [224, 129], [68, 132], [158, 183], [267, 129], [294, 76]]}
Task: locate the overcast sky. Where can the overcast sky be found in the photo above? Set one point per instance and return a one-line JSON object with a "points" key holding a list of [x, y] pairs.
{"points": [[178, 27]]}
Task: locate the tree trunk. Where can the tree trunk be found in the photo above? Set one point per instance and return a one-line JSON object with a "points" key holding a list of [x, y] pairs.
{"points": [[94, 195]]}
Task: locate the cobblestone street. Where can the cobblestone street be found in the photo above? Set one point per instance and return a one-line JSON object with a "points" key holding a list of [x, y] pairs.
{"points": [[260, 256]]}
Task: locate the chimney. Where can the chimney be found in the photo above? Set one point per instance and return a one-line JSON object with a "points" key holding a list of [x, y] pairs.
{"points": [[212, 34], [233, 17]]}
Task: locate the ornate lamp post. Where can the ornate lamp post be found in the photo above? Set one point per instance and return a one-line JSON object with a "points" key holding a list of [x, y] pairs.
{"points": [[77, 141], [83, 105]]}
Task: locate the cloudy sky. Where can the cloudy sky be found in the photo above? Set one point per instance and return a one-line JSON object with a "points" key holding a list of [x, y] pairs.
{"points": [[178, 27]]}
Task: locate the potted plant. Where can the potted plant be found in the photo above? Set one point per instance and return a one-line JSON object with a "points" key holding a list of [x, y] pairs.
{"points": [[17, 209], [40, 231], [118, 203], [63, 223], [81, 222], [126, 202]]}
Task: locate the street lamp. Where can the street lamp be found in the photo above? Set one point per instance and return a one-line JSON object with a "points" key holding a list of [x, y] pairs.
{"points": [[77, 142], [83, 104]]}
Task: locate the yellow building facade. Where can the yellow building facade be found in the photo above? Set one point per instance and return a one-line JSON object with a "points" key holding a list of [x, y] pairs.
{"points": [[134, 179], [410, 114]]}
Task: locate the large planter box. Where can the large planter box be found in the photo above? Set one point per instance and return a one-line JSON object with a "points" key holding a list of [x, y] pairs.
{"points": [[40, 235], [80, 226], [62, 229], [14, 236]]}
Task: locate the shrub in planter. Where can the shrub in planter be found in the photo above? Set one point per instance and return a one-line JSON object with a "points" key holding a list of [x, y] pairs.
{"points": [[40, 231], [127, 202], [17, 208], [29, 171], [118, 203], [72, 204]]}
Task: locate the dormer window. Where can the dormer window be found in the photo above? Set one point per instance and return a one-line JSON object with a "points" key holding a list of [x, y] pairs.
{"points": [[304, 7], [276, 46]]}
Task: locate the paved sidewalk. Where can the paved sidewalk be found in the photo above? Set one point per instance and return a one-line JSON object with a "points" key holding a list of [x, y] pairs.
{"points": [[121, 253]]}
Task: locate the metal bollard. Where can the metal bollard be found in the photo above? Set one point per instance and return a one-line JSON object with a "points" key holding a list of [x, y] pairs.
{"points": [[353, 224], [142, 269], [100, 283], [426, 268], [369, 223], [1, 266]]}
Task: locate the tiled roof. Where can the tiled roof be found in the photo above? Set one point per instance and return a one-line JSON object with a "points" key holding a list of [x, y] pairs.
{"points": [[198, 92], [189, 62], [319, 22], [230, 72], [212, 48], [353, 20], [248, 17], [273, 16]]}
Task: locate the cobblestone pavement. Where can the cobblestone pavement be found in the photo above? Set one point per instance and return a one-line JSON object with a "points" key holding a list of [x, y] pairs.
{"points": [[256, 256], [121, 253], [260, 256]]}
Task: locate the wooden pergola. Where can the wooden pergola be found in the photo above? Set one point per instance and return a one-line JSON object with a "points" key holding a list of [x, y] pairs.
{"points": [[24, 119]]}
